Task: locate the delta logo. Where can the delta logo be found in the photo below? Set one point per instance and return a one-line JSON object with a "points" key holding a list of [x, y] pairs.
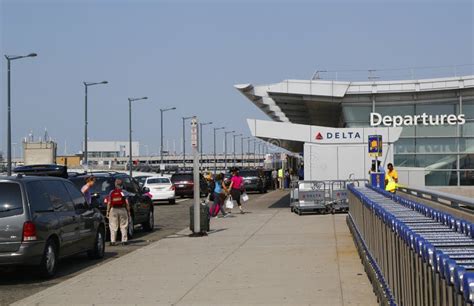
{"points": [[338, 135]]}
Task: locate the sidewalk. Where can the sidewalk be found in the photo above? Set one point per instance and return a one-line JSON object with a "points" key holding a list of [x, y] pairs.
{"points": [[268, 256]]}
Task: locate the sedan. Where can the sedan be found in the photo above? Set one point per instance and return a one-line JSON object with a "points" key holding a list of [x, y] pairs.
{"points": [[161, 189]]}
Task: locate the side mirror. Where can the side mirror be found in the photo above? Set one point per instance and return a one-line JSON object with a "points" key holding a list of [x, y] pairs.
{"points": [[146, 189]]}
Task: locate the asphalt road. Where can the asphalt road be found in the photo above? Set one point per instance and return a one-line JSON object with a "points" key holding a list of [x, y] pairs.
{"points": [[21, 282]]}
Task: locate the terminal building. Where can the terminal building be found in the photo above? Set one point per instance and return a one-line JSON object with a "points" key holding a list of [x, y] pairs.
{"points": [[432, 154]]}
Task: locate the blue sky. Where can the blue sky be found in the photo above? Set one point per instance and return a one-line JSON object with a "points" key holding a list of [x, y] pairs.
{"points": [[189, 54]]}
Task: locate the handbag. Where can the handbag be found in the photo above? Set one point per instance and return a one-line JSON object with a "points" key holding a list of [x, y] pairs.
{"points": [[245, 197], [229, 203]]}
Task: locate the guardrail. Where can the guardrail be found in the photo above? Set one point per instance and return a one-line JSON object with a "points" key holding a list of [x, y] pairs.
{"points": [[413, 254], [455, 201]]}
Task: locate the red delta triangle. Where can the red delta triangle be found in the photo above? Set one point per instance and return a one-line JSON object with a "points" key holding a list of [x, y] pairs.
{"points": [[319, 136]]}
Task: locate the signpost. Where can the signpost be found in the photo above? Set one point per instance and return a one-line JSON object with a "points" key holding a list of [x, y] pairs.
{"points": [[195, 146], [375, 150]]}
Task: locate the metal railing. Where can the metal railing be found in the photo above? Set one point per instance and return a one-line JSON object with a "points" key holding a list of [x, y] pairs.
{"points": [[454, 201]]}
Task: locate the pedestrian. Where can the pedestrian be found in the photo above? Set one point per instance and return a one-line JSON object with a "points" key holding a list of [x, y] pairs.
{"points": [[275, 179], [301, 173], [86, 189], [391, 179], [236, 187], [220, 193], [287, 179], [118, 212], [280, 178]]}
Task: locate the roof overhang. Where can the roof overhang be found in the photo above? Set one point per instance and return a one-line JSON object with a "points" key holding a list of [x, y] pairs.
{"points": [[320, 101]]}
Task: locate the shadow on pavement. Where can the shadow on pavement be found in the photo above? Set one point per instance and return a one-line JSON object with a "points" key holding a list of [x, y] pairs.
{"points": [[284, 202]]}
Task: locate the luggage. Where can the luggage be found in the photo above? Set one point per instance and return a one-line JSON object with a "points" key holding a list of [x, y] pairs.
{"points": [[214, 210]]}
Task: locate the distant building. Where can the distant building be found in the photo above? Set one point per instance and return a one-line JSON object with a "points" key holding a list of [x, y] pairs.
{"points": [[42, 152], [112, 149]]}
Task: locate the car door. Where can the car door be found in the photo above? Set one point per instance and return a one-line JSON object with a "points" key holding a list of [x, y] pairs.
{"points": [[67, 217], [85, 217]]}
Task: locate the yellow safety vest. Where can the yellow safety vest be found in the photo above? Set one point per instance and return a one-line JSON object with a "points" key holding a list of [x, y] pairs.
{"points": [[280, 173]]}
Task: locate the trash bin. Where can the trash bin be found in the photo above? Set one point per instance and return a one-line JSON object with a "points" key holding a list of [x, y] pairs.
{"points": [[204, 216]]}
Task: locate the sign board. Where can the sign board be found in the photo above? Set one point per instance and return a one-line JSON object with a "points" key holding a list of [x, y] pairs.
{"points": [[339, 195], [194, 133], [375, 145], [162, 167], [311, 196]]}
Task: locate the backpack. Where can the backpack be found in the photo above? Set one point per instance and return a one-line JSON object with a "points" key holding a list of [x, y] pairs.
{"points": [[116, 198]]}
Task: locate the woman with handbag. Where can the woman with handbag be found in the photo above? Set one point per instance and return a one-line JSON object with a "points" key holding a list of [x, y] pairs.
{"points": [[236, 187]]}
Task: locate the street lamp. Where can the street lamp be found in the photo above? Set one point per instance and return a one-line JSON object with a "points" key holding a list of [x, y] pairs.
{"points": [[242, 147], [215, 157], [162, 110], [201, 137], [87, 84], [9, 123], [233, 146], [130, 100], [225, 148], [184, 139]]}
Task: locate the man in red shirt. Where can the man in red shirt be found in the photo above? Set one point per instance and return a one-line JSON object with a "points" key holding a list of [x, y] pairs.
{"points": [[118, 212]]}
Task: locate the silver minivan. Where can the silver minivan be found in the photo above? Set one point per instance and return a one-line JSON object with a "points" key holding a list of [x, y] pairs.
{"points": [[43, 219]]}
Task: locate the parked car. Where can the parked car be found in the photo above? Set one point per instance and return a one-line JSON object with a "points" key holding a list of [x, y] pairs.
{"points": [[44, 219], [184, 184], [254, 180], [161, 188], [141, 179], [141, 206]]}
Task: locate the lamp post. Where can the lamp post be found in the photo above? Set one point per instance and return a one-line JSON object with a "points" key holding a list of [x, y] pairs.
{"points": [[233, 146], [215, 157], [9, 123], [201, 138], [184, 139], [225, 148], [242, 147], [86, 85], [162, 110], [130, 100]]}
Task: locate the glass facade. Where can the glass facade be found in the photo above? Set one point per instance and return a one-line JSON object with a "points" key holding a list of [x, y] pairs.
{"points": [[446, 152]]}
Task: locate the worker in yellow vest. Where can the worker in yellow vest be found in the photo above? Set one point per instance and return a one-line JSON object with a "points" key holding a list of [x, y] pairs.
{"points": [[280, 178], [391, 179]]}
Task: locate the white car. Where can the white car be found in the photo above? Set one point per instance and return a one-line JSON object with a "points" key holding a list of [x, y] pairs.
{"points": [[161, 189]]}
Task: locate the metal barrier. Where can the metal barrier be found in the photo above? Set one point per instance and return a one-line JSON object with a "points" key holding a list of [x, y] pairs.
{"points": [[322, 197], [413, 254], [455, 201]]}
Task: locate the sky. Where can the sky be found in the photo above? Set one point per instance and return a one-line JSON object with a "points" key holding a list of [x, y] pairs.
{"points": [[190, 54]]}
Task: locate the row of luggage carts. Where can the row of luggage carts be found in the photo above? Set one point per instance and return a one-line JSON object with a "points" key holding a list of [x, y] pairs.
{"points": [[413, 254], [321, 197]]}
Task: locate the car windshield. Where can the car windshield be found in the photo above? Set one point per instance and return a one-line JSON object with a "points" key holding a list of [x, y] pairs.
{"points": [[160, 180], [11, 202], [102, 184], [182, 177]]}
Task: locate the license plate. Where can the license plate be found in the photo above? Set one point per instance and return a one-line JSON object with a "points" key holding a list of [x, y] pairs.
{"points": [[181, 186]]}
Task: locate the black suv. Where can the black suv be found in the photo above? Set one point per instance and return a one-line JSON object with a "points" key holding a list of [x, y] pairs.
{"points": [[184, 184], [141, 206], [43, 219]]}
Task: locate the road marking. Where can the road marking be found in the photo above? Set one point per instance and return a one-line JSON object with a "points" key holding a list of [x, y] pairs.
{"points": [[181, 200]]}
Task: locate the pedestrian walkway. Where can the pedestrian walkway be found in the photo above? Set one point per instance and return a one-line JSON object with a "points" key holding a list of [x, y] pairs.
{"points": [[267, 256]]}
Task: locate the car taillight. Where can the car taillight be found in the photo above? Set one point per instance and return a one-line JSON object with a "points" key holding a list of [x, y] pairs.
{"points": [[172, 187], [29, 231]]}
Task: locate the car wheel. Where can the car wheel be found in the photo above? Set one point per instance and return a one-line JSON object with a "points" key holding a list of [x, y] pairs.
{"points": [[49, 262], [172, 201], [150, 223], [131, 228], [98, 249]]}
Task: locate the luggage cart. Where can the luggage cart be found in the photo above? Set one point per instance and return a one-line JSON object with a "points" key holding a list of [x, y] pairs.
{"points": [[311, 198]]}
